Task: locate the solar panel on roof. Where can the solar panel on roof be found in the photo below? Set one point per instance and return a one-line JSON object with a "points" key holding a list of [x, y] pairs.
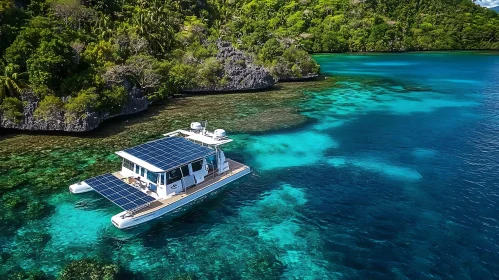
{"points": [[118, 192], [169, 152]]}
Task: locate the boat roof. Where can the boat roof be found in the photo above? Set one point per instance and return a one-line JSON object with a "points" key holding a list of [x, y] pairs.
{"points": [[119, 192], [205, 137], [166, 153]]}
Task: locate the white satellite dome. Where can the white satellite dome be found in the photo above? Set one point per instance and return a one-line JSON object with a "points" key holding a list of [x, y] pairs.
{"points": [[219, 133], [196, 126]]}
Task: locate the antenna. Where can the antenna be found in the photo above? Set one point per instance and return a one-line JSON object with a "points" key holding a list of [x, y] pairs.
{"points": [[204, 128]]}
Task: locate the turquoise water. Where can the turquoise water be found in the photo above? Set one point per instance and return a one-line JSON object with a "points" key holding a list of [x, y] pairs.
{"points": [[394, 176]]}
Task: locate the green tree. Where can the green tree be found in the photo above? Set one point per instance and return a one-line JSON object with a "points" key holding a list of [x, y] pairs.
{"points": [[12, 20], [114, 98], [72, 13], [12, 109], [182, 76], [51, 106], [156, 21], [194, 30], [51, 62], [4, 5], [39, 29], [295, 64], [99, 54], [270, 50], [209, 72], [78, 107], [11, 82]]}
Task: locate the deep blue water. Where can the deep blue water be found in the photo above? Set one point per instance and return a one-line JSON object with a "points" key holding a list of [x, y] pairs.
{"points": [[404, 178], [395, 177]]}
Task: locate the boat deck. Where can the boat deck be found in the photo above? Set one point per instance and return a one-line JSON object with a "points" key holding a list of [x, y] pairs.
{"points": [[235, 167]]}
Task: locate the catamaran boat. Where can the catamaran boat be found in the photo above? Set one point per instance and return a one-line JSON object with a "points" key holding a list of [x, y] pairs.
{"points": [[162, 175]]}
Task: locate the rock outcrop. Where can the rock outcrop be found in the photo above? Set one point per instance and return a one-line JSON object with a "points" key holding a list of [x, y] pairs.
{"points": [[239, 72], [135, 104], [304, 68]]}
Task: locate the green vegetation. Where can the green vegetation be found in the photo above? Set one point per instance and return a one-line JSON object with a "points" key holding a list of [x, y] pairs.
{"points": [[90, 54], [11, 82], [49, 106], [12, 109], [77, 106], [369, 25]]}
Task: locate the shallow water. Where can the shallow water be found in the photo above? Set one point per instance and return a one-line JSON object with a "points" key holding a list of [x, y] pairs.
{"points": [[385, 170]]}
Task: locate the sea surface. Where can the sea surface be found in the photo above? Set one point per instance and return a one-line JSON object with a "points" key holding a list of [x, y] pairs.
{"points": [[386, 169]]}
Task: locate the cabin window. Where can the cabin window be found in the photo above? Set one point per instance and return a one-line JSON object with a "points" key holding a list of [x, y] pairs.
{"points": [[162, 178], [137, 168], [151, 176], [127, 164], [185, 170], [197, 165], [142, 171], [174, 175]]}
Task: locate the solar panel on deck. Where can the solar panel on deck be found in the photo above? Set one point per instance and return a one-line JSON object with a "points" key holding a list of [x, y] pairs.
{"points": [[169, 152], [120, 193]]}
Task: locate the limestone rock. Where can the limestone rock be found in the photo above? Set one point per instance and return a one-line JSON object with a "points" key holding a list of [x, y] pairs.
{"points": [[240, 73], [135, 104]]}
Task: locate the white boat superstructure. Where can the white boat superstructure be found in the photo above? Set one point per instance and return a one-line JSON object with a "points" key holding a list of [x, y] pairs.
{"points": [[160, 176]]}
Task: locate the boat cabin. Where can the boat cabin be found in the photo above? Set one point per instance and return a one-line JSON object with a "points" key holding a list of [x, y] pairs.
{"points": [[175, 163]]}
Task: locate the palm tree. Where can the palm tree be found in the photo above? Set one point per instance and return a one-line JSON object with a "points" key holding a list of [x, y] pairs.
{"points": [[12, 82], [102, 27]]}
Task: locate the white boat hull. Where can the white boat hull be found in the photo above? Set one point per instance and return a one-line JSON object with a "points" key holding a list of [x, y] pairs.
{"points": [[121, 220]]}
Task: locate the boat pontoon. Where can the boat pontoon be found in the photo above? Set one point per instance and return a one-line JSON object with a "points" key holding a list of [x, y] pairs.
{"points": [[162, 175]]}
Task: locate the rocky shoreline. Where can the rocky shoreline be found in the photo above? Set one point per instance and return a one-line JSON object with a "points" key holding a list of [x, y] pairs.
{"points": [[240, 73], [90, 121]]}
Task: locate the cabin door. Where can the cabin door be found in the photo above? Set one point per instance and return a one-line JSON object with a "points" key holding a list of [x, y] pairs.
{"points": [[188, 178], [174, 181]]}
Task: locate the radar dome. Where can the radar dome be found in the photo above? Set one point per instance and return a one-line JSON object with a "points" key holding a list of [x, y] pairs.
{"points": [[219, 133], [196, 126]]}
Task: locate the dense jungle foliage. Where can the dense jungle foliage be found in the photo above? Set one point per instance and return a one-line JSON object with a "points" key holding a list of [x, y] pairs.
{"points": [[76, 55]]}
